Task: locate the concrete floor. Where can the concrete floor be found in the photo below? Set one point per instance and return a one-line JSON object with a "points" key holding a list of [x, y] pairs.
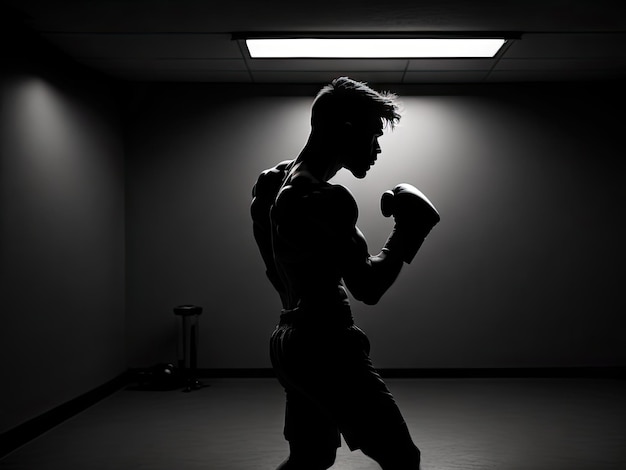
{"points": [[236, 424]]}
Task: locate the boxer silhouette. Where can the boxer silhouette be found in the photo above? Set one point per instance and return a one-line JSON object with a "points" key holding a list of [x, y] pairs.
{"points": [[305, 228]]}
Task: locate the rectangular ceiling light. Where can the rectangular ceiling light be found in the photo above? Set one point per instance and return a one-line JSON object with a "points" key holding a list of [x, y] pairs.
{"points": [[320, 48]]}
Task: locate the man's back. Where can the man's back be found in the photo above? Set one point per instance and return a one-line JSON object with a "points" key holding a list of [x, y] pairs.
{"points": [[308, 229]]}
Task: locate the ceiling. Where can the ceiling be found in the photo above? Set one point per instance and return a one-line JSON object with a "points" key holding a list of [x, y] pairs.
{"points": [[191, 40]]}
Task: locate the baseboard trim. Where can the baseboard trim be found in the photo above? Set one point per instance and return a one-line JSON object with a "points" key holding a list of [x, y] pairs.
{"points": [[503, 373], [452, 373], [25, 432]]}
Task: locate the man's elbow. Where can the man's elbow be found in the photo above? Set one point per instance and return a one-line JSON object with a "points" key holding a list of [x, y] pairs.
{"points": [[368, 297], [371, 300]]}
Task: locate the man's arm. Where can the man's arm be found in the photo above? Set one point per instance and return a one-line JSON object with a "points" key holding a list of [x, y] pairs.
{"points": [[333, 216], [369, 277]]}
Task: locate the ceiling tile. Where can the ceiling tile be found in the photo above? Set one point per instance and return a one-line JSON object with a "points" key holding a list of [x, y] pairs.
{"points": [[221, 76], [602, 64], [158, 65], [449, 64], [466, 76], [566, 45], [552, 75], [182, 46]]}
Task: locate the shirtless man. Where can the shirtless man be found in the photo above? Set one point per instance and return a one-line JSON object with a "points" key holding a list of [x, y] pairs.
{"points": [[306, 231]]}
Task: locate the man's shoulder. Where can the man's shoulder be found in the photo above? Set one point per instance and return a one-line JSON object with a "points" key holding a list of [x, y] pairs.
{"points": [[336, 194], [302, 185], [344, 204], [339, 191], [322, 200], [269, 181], [276, 172]]}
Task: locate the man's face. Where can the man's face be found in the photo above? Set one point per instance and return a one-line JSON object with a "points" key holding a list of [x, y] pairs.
{"points": [[361, 146]]}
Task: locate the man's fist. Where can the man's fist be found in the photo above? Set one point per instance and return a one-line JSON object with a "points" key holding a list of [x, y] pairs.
{"points": [[408, 205], [414, 217]]}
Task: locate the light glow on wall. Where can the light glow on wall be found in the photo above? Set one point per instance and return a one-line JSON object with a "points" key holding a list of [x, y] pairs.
{"points": [[374, 48]]}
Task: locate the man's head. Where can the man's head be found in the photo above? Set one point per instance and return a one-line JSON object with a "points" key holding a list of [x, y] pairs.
{"points": [[353, 115], [346, 100]]}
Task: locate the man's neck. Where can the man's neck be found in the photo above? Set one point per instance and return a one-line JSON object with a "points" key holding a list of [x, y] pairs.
{"points": [[320, 160]]}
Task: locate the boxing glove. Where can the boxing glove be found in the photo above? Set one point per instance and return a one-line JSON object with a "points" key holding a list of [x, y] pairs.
{"points": [[414, 217]]}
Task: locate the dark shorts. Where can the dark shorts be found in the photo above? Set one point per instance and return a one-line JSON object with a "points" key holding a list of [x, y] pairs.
{"points": [[331, 386]]}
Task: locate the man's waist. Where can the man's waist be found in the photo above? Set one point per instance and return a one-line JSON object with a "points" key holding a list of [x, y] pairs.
{"points": [[338, 315]]}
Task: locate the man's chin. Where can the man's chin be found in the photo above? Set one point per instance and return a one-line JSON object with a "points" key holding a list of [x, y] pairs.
{"points": [[359, 173]]}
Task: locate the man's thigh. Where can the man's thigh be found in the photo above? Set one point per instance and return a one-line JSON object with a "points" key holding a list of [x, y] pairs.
{"points": [[346, 390], [309, 425]]}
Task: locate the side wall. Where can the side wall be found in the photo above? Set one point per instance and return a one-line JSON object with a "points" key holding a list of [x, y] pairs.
{"points": [[61, 232], [523, 271]]}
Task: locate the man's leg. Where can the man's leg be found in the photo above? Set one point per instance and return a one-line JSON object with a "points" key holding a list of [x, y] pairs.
{"points": [[311, 431], [303, 456], [366, 411], [312, 435], [396, 451]]}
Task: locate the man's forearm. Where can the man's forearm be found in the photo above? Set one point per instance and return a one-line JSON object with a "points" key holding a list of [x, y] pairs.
{"points": [[375, 277]]}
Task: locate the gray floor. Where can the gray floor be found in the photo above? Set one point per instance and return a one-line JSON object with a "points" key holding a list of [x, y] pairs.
{"points": [[236, 424]]}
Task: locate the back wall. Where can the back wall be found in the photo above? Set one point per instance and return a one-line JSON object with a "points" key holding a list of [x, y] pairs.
{"points": [[524, 269]]}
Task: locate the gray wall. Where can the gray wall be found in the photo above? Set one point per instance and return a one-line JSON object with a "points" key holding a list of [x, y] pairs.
{"points": [[61, 241], [524, 270]]}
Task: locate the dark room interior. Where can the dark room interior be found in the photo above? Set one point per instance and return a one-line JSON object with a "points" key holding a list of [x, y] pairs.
{"points": [[131, 136]]}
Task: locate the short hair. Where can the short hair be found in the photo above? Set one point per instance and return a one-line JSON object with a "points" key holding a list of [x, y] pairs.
{"points": [[345, 99]]}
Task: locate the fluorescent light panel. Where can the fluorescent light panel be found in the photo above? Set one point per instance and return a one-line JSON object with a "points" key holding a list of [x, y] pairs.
{"points": [[320, 48]]}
